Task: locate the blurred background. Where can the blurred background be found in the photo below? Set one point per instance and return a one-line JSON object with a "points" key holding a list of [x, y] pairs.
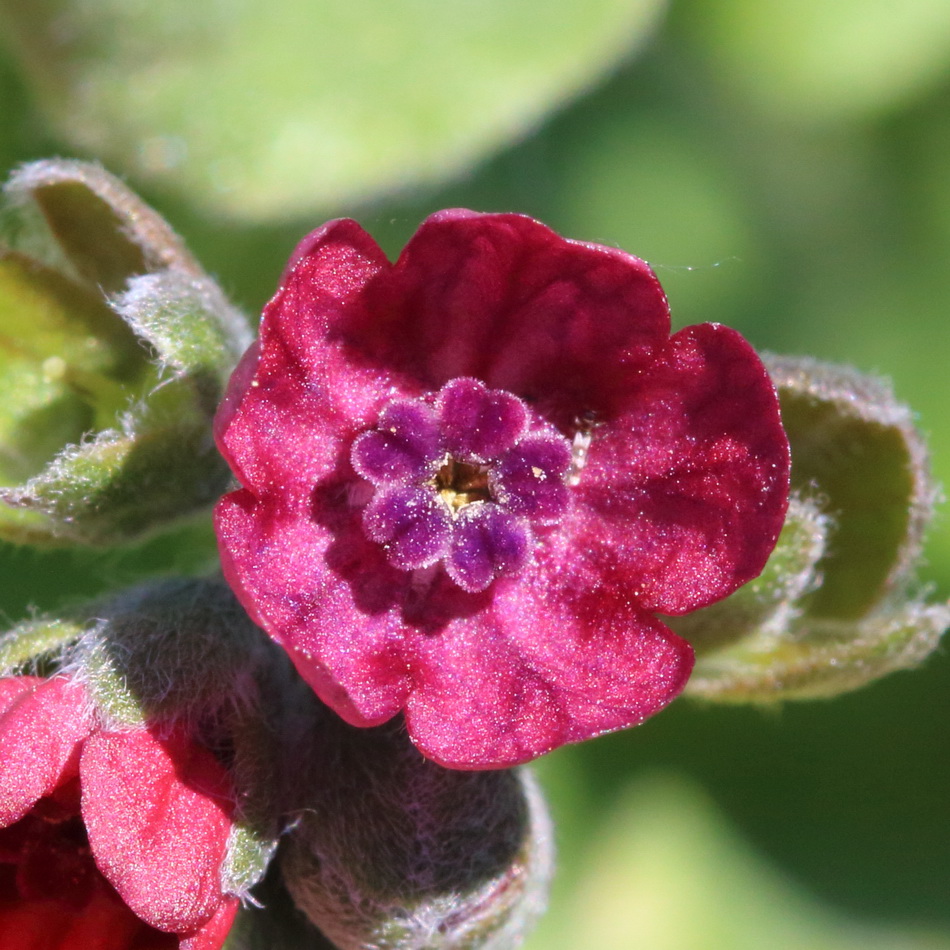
{"points": [[784, 166]]}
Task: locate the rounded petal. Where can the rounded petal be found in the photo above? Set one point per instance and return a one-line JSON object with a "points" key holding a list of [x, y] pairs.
{"points": [[213, 934], [41, 731], [326, 593], [486, 542], [529, 480], [12, 687], [103, 922], [404, 446], [684, 495], [502, 298], [302, 393], [412, 524], [158, 815], [540, 667], [479, 423]]}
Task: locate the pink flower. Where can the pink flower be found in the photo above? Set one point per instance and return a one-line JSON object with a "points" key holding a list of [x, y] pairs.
{"points": [[473, 477], [112, 840]]}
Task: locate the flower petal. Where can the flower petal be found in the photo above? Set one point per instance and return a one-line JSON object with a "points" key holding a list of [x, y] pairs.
{"points": [[502, 298], [291, 411], [103, 922], [212, 935], [486, 542], [404, 446], [40, 734], [326, 593], [684, 495], [540, 667], [158, 815], [479, 423]]}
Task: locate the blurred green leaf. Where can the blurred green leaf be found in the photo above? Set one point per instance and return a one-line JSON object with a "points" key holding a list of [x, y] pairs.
{"points": [[263, 109], [816, 60], [665, 872]]}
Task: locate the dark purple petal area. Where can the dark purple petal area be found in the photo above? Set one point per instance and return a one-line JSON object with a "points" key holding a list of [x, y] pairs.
{"points": [[404, 446], [486, 542], [479, 423], [412, 524], [529, 480]]}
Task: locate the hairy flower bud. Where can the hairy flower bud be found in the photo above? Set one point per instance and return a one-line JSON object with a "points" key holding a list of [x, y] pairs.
{"points": [[836, 606], [394, 852], [114, 349]]}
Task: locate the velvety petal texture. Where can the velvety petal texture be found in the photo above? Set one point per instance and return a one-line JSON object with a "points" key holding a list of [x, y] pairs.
{"points": [[113, 841], [42, 727], [158, 812], [472, 478]]}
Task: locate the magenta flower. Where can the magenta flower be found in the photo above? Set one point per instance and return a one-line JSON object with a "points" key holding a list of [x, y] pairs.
{"points": [[473, 477], [113, 840]]}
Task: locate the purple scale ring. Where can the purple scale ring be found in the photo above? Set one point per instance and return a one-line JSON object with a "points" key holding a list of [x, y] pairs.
{"points": [[462, 479]]}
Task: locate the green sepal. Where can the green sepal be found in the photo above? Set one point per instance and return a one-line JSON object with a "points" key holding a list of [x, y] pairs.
{"points": [[29, 644], [160, 466], [835, 607], [180, 649], [254, 766], [826, 659], [67, 364], [77, 217], [116, 349], [855, 446], [767, 600]]}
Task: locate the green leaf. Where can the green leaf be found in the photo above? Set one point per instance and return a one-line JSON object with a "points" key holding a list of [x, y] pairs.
{"points": [[855, 447], [826, 61], [817, 660], [273, 109], [665, 871]]}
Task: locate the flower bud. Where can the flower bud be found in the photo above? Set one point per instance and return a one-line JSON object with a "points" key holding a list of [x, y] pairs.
{"points": [[114, 348], [107, 838], [392, 851], [170, 720], [836, 606]]}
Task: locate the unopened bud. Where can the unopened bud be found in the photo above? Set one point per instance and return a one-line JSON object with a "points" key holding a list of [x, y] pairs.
{"points": [[118, 348], [393, 852]]}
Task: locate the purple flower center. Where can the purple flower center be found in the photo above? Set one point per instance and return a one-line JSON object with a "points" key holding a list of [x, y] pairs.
{"points": [[463, 477]]}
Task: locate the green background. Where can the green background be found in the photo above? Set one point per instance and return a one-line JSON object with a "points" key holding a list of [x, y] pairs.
{"points": [[785, 167]]}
